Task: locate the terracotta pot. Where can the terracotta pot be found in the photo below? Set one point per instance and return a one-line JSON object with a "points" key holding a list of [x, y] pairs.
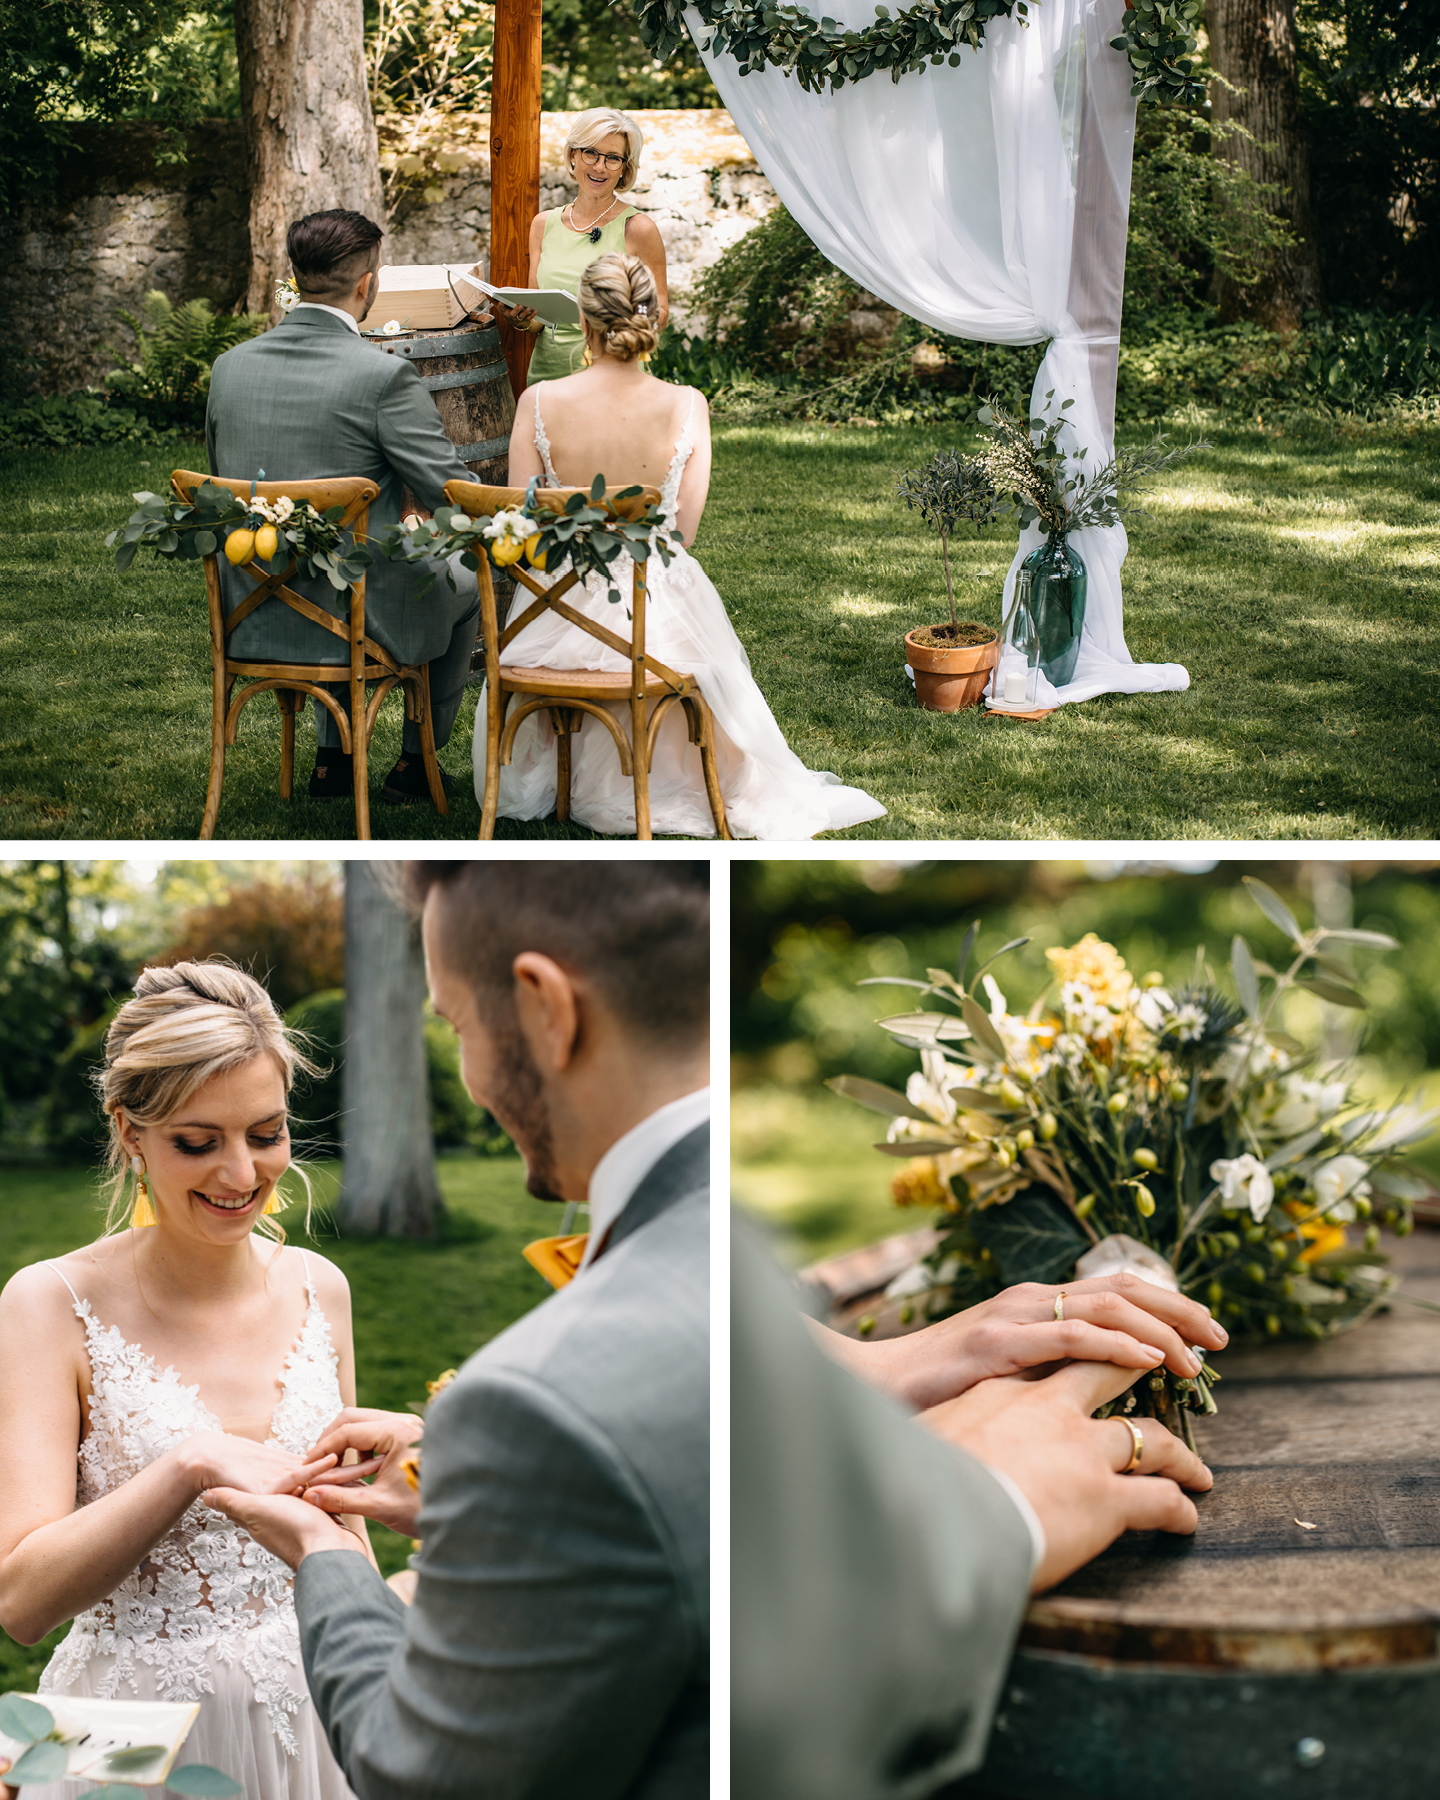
{"points": [[949, 680]]}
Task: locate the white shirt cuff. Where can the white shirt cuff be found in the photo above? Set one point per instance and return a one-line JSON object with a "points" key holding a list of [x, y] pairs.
{"points": [[1027, 1513]]}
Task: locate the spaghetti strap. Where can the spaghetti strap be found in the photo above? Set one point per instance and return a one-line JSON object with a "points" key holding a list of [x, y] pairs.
{"points": [[309, 1278], [60, 1272]]}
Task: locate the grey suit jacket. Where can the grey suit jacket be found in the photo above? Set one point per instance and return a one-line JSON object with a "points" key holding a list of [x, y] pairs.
{"points": [[877, 1575], [558, 1643], [310, 400]]}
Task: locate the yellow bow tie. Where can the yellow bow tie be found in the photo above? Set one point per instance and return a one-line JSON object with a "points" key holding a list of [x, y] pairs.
{"points": [[557, 1258]]}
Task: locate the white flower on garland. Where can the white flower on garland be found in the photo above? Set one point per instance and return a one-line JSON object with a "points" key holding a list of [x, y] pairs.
{"points": [[278, 512], [1338, 1184], [513, 525], [1245, 1184]]}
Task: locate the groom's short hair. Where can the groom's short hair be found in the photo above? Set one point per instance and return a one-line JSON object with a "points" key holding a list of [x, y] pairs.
{"points": [[640, 932], [330, 251]]}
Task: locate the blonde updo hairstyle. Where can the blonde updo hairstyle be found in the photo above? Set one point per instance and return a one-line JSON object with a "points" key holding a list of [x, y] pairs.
{"points": [[618, 299], [602, 122], [186, 1025]]}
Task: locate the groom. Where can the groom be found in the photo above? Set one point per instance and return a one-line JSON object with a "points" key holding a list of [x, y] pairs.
{"points": [[312, 399], [557, 1645]]}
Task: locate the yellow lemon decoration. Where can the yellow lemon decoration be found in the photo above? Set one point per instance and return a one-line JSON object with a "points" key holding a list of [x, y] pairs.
{"points": [[240, 546], [267, 542], [536, 556], [506, 551]]}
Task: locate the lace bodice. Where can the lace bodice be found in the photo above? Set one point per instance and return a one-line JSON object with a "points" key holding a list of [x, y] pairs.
{"points": [[669, 488], [207, 1587]]}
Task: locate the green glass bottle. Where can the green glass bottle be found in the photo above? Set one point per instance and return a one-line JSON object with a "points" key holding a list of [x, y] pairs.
{"points": [[1057, 604]]}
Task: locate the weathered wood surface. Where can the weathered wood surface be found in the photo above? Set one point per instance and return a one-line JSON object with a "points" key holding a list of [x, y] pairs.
{"points": [[1344, 1435]]}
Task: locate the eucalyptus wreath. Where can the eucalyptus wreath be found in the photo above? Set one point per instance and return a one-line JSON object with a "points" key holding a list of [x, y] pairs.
{"points": [[821, 53]]}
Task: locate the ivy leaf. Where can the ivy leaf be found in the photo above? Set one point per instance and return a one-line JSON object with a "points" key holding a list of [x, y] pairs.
{"points": [[25, 1720], [1031, 1237]]}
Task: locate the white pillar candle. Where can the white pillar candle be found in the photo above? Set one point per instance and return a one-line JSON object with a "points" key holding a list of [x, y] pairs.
{"points": [[1015, 687]]}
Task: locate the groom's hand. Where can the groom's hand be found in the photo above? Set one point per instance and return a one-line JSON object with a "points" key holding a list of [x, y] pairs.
{"points": [[386, 1443], [288, 1527], [1039, 1431]]}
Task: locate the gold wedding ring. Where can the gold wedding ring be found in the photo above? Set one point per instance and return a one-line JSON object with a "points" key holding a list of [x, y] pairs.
{"points": [[1060, 1305], [1137, 1453]]}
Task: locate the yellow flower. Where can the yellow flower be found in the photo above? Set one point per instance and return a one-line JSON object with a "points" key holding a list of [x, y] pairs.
{"points": [[918, 1184], [440, 1383], [1324, 1237], [1100, 966]]}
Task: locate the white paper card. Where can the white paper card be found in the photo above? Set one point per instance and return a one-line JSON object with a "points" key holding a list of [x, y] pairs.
{"points": [[93, 1730]]}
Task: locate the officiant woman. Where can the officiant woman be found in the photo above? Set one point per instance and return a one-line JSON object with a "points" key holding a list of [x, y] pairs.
{"points": [[602, 153]]}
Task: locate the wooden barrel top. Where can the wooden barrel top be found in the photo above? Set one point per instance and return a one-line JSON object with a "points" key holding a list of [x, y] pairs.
{"points": [[1343, 1435]]}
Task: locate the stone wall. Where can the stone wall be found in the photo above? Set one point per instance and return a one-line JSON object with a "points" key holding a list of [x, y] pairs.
{"points": [[118, 225]]}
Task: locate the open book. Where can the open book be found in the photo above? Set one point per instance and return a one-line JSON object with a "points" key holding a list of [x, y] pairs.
{"points": [[104, 1739], [428, 295], [554, 305]]}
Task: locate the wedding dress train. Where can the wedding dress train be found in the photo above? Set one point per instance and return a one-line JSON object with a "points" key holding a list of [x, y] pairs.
{"points": [[769, 793], [209, 1615]]}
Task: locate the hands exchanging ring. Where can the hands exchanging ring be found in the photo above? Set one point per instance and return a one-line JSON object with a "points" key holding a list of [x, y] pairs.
{"points": [[293, 1524]]}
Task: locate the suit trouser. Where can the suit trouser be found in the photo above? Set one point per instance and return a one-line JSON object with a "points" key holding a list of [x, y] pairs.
{"points": [[448, 674]]}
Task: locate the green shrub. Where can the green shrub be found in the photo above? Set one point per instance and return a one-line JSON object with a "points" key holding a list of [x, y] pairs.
{"points": [[318, 1102], [74, 422], [169, 377]]}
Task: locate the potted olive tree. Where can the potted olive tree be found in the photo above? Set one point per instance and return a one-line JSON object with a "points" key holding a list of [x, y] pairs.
{"points": [[951, 661]]}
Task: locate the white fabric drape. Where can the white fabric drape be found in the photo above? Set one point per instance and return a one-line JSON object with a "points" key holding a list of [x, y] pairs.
{"points": [[990, 201]]}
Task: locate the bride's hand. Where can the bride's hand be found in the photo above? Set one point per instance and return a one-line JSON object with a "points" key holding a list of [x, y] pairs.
{"points": [[213, 1459], [1113, 1319], [385, 1441]]}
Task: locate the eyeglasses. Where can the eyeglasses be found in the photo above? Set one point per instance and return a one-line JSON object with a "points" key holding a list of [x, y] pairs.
{"points": [[593, 159]]}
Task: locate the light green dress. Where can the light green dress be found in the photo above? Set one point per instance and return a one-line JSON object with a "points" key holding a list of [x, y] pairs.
{"points": [[564, 257]]}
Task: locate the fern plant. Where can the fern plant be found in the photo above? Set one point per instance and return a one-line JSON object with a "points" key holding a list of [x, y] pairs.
{"points": [[168, 375]]}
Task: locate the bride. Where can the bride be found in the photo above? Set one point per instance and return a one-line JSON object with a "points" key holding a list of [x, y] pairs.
{"points": [[191, 1350], [615, 419]]}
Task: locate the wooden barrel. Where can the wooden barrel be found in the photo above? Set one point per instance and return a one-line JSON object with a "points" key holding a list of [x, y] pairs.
{"points": [[469, 381], [1292, 1646]]}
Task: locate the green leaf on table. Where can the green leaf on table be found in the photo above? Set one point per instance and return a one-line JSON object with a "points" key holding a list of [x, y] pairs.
{"points": [[1336, 992], [200, 1779], [1031, 1237], [876, 1096], [1242, 967], [984, 1033], [25, 1720], [41, 1762], [1274, 909]]}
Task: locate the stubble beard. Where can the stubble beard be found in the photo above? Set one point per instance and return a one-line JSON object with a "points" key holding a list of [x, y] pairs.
{"points": [[518, 1103]]}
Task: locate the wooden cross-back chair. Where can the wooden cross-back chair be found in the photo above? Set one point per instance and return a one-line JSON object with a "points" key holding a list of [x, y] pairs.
{"points": [[649, 687], [367, 661]]}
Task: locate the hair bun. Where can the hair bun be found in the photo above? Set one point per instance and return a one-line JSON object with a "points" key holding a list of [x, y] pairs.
{"points": [[619, 299]]}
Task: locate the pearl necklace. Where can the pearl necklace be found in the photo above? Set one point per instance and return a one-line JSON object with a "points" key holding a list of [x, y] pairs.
{"points": [[592, 231]]}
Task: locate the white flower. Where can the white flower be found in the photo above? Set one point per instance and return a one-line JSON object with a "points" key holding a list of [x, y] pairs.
{"points": [[512, 524], [286, 295], [1150, 1006], [1119, 1254], [1304, 1104], [390, 327], [927, 1087], [1188, 1024], [1244, 1182], [1338, 1183]]}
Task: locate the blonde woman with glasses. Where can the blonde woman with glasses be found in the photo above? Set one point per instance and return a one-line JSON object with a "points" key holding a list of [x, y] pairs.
{"points": [[186, 1350], [602, 152]]}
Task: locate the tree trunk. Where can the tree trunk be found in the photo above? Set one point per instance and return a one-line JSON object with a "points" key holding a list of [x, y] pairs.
{"points": [[1252, 44], [309, 132], [390, 1188]]}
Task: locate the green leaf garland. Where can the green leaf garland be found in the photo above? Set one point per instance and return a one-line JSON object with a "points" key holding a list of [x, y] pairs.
{"points": [[1158, 40]]}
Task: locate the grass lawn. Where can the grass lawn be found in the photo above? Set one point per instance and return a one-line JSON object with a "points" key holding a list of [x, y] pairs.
{"points": [[1297, 578], [419, 1308]]}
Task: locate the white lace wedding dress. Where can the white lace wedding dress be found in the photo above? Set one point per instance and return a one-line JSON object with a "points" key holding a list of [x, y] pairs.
{"points": [[769, 793], [209, 1614]]}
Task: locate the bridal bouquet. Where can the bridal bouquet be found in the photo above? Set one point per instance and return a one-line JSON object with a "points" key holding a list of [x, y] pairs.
{"points": [[247, 528], [1115, 1125], [583, 537]]}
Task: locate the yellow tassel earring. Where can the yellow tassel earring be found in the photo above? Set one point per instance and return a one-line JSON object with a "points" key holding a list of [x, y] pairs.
{"points": [[144, 1213], [273, 1205]]}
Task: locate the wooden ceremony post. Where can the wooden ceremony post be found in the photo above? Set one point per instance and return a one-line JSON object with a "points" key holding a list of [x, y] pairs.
{"points": [[514, 161]]}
